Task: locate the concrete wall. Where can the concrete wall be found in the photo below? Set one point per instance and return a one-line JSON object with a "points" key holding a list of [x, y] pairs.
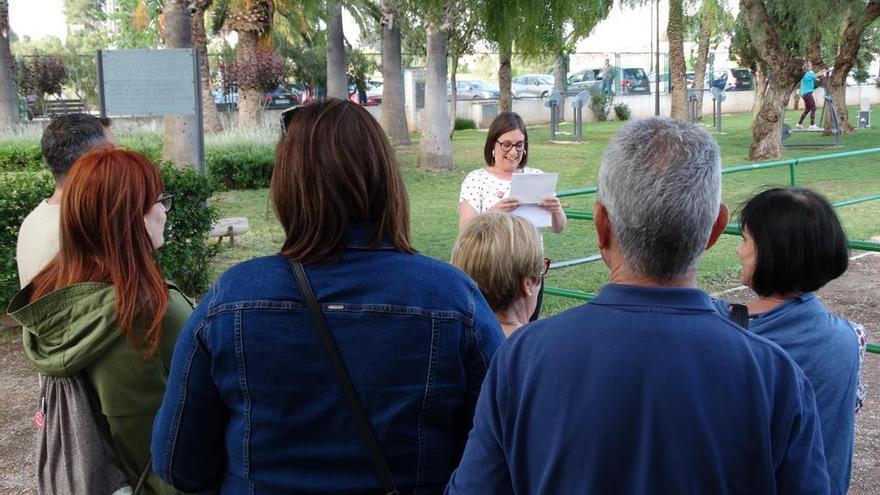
{"points": [[532, 110]]}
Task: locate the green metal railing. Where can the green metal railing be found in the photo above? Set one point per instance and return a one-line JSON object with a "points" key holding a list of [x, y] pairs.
{"points": [[731, 229]]}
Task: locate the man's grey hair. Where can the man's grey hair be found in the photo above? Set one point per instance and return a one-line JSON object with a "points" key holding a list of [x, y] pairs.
{"points": [[660, 182]]}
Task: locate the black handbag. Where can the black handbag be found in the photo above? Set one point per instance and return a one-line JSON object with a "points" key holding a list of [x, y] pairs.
{"points": [[348, 391]]}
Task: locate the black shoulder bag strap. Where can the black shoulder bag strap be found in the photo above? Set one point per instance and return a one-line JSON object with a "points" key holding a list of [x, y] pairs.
{"points": [[360, 416], [739, 314]]}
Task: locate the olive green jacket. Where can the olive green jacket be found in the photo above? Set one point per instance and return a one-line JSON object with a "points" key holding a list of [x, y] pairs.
{"points": [[73, 330]]}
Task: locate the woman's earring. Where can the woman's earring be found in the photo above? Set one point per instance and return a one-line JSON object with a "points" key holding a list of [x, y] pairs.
{"points": [[493, 153]]}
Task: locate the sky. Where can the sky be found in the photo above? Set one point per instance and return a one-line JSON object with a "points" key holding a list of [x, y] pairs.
{"points": [[37, 18], [622, 31]]}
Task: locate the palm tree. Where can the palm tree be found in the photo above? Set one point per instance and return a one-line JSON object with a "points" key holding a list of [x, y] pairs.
{"points": [[393, 109], [252, 20], [8, 100], [181, 141], [677, 66], [200, 44], [337, 82], [435, 147]]}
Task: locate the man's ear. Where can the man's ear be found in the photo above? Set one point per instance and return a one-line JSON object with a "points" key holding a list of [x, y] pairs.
{"points": [[719, 226], [602, 224]]}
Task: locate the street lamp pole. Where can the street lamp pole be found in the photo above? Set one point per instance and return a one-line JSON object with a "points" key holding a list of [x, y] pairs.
{"points": [[657, 58]]}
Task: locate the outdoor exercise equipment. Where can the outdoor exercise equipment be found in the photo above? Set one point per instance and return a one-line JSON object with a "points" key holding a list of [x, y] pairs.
{"points": [[828, 106], [577, 104], [718, 95], [865, 113], [692, 106], [552, 102]]}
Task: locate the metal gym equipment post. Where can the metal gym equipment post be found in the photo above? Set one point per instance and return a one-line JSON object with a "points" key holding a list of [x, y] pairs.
{"points": [[692, 107], [577, 104], [787, 131], [552, 102], [718, 95]]}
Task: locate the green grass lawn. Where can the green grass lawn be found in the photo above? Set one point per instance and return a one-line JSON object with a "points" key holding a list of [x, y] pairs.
{"points": [[434, 199]]}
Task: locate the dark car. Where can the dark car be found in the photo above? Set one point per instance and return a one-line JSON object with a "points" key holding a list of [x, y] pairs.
{"points": [[634, 81], [733, 79], [283, 97]]}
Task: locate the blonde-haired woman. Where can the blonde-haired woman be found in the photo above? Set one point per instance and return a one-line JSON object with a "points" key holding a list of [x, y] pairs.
{"points": [[503, 254]]}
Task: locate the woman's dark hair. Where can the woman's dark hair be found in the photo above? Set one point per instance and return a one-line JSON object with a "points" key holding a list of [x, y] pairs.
{"points": [[504, 123], [799, 241], [69, 137], [334, 167]]}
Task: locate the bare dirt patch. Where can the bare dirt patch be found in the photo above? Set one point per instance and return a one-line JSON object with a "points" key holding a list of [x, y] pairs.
{"points": [[856, 296]]}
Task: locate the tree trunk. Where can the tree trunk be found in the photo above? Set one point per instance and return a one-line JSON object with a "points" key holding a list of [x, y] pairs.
{"points": [[435, 147], [180, 144], [393, 100], [249, 98], [857, 22], [560, 81], [453, 92], [677, 66], [200, 43], [767, 126], [700, 67], [505, 103], [760, 90], [337, 80], [8, 100]]}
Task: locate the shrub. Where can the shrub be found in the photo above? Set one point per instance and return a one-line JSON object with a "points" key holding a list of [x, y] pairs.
{"points": [[462, 124], [240, 166], [601, 105], [21, 156], [621, 110], [186, 256], [20, 192]]}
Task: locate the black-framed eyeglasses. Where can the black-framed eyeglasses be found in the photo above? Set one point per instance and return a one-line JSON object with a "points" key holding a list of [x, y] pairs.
{"points": [[507, 145], [546, 267], [287, 117], [166, 200]]}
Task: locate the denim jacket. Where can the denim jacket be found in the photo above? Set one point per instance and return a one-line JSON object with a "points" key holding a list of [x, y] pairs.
{"points": [[253, 405]]}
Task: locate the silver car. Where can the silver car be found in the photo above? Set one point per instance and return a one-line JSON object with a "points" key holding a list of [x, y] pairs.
{"points": [[473, 89], [585, 80], [536, 85]]}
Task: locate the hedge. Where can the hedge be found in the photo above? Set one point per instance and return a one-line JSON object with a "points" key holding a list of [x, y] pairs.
{"points": [[20, 192], [21, 156], [237, 165], [240, 165], [185, 258]]}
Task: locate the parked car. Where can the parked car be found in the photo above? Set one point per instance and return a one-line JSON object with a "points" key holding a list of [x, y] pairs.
{"points": [[634, 80], [585, 80], [852, 81], [373, 93], [473, 89], [537, 85], [733, 79], [665, 85], [283, 97]]}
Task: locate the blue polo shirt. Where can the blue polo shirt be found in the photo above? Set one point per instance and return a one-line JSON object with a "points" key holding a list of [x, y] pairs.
{"points": [[643, 390], [827, 349]]}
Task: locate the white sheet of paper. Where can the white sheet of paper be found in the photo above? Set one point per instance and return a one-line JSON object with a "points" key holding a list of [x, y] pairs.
{"points": [[540, 218], [529, 189]]}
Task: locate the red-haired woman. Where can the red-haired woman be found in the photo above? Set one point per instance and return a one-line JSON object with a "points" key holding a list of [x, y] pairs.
{"points": [[101, 307]]}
